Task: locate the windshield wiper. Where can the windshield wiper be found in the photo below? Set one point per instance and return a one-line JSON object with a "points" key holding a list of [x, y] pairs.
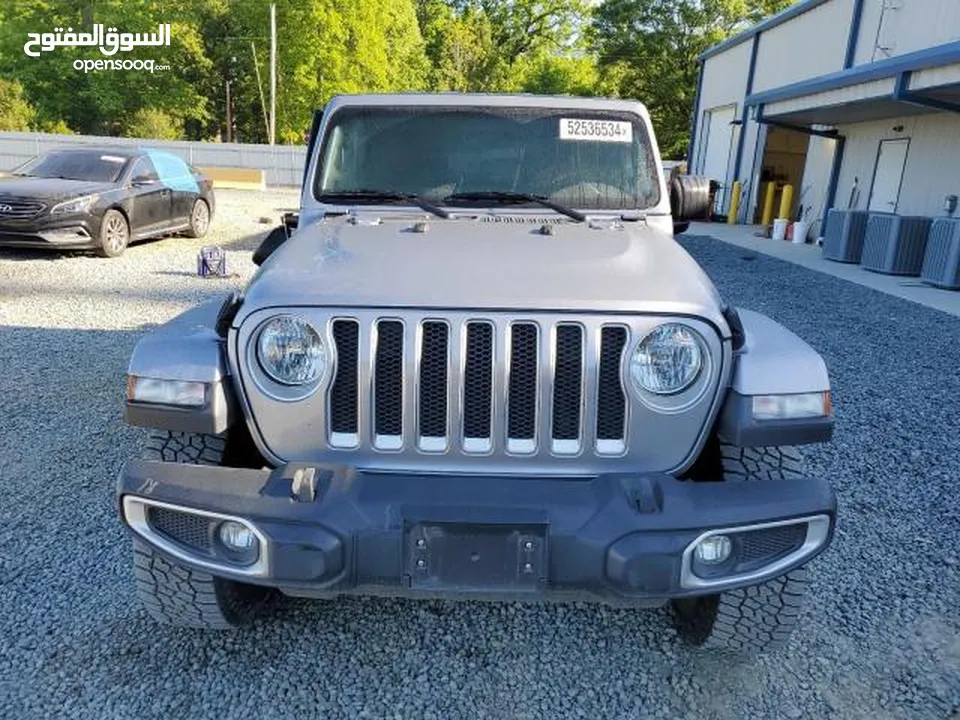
{"points": [[517, 197], [382, 196]]}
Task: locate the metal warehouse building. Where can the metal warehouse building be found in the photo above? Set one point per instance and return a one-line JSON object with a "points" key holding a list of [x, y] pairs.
{"points": [[855, 103]]}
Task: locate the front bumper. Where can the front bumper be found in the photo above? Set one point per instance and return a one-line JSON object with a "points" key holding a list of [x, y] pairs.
{"points": [[71, 232], [618, 538]]}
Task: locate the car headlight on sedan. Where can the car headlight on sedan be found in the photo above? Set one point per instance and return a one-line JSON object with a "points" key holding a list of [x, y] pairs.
{"points": [[77, 205], [668, 360], [291, 351]]}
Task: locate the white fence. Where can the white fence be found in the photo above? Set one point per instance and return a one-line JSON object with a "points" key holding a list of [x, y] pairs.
{"points": [[282, 164]]}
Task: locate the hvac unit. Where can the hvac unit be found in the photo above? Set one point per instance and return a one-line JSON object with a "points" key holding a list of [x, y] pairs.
{"points": [[894, 244], [941, 264], [843, 236]]}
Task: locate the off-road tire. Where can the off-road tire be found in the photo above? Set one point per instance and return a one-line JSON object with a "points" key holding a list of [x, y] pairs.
{"points": [[199, 219], [178, 595], [754, 619]]}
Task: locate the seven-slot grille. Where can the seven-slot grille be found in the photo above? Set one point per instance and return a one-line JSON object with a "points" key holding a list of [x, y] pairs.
{"points": [[19, 209], [478, 386]]}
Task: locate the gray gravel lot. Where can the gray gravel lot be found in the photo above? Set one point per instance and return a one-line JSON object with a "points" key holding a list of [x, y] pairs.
{"points": [[881, 638]]}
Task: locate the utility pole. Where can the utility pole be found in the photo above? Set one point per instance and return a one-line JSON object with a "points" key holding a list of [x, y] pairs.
{"points": [[273, 73], [263, 103], [229, 115]]}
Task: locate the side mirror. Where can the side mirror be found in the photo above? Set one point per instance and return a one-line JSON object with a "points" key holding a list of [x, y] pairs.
{"points": [[142, 180], [689, 198], [276, 237]]}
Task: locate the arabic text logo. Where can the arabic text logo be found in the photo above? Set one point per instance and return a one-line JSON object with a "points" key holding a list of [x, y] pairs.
{"points": [[109, 42]]}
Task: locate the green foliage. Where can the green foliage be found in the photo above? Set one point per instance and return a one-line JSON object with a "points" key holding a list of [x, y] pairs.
{"points": [[97, 101], [644, 49], [648, 48], [153, 124], [56, 127], [491, 45], [16, 113], [325, 47]]}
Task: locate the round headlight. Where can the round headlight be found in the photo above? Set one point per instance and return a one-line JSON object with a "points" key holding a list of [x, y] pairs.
{"points": [[291, 351], [668, 360]]}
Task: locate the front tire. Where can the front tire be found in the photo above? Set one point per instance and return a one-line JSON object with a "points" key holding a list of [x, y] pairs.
{"points": [[174, 594], [114, 234], [754, 619]]}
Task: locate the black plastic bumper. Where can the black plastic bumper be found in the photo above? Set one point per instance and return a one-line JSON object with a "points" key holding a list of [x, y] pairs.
{"points": [[616, 537]]}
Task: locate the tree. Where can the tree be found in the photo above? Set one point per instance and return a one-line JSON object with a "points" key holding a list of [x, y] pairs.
{"points": [[96, 101], [327, 47], [153, 125], [493, 45], [648, 50], [16, 113]]}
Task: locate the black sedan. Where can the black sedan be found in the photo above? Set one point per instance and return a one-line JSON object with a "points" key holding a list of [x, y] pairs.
{"points": [[102, 199]]}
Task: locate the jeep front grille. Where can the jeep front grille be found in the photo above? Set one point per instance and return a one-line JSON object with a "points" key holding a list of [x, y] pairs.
{"points": [[476, 386]]}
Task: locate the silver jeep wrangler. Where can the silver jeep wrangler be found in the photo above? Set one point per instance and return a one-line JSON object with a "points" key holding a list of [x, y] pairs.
{"points": [[477, 364]]}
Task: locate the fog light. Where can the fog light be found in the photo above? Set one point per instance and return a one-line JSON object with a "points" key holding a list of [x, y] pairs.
{"points": [[713, 550], [237, 537]]}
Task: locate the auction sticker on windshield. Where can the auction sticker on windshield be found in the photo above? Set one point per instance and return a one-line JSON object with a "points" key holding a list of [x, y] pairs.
{"points": [[597, 130]]}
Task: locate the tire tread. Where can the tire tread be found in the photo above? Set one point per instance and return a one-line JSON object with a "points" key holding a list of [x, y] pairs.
{"points": [[177, 595], [761, 617]]}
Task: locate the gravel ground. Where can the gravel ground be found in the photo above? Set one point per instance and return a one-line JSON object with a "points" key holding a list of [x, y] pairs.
{"points": [[881, 636]]}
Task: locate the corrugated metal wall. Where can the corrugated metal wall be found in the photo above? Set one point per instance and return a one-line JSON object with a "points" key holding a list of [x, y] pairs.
{"points": [[812, 44], [932, 170], [282, 164], [725, 77], [724, 86], [890, 28]]}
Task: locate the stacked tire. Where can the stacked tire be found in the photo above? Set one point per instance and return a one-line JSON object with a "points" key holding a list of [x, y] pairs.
{"points": [[690, 197]]}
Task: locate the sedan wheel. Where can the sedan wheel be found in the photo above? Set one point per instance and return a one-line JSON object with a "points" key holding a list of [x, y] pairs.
{"points": [[199, 219], [114, 234]]}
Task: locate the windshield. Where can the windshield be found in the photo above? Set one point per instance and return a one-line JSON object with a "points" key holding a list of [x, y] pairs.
{"points": [[96, 166], [583, 159]]}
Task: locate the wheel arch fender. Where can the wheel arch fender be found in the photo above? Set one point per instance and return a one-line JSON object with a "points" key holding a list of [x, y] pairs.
{"points": [[187, 348], [773, 361]]}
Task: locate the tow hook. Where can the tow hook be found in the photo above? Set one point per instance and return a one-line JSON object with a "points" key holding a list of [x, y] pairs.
{"points": [[304, 485]]}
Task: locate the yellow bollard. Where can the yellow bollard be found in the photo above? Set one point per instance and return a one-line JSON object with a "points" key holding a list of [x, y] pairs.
{"points": [[768, 204], [734, 204], [786, 202]]}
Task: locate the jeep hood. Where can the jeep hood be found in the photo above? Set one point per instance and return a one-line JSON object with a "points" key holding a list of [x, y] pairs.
{"points": [[476, 264]]}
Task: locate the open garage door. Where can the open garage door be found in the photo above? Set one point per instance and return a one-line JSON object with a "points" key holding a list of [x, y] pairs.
{"points": [[716, 159]]}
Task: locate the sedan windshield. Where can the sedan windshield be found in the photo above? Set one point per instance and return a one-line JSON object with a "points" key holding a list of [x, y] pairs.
{"points": [[73, 165], [598, 160]]}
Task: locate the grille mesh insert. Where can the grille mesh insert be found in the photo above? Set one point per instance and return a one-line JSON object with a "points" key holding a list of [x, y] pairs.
{"points": [[611, 401], [522, 400], [187, 529], [478, 381], [343, 393], [433, 380], [568, 382], [388, 379], [768, 543]]}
